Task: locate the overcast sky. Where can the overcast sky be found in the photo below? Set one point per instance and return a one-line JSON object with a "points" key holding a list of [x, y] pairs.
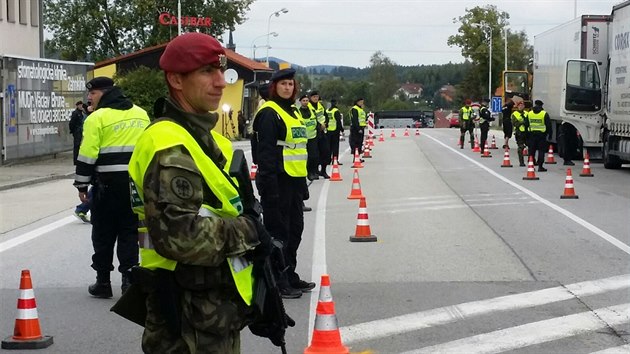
{"points": [[411, 32]]}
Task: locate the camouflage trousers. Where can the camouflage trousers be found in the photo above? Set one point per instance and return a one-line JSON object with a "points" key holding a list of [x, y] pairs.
{"points": [[198, 315]]}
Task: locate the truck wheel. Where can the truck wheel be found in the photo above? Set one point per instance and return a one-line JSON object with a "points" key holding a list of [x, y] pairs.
{"points": [[610, 161]]}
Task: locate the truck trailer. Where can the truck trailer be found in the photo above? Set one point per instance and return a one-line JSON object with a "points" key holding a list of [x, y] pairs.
{"points": [[581, 74]]}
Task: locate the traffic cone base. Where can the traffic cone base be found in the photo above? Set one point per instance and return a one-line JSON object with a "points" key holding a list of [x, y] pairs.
{"points": [[569, 190], [326, 336], [370, 238], [27, 334], [486, 152]]}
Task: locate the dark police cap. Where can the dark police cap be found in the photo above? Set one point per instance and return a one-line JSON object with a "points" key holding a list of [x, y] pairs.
{"points": [[284, 74], [303, 97], [99, 83], [313, 93], [538, 103], [333, 101], [191, 51]]}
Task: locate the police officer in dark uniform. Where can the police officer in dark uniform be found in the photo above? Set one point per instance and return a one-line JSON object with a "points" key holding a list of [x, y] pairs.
{"points": [[109, 137], [538, 125], [334, 125], [280, 144], [485, 117]]}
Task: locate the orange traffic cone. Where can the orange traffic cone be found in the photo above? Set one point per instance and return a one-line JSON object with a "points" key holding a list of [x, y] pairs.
{"points": [[569, 191], [531, 174], [494, 143], [506, 159], [27, 333], [252, 172], [335, 176], [326, 335], [477, 148], [366, 152], [393, 134], [550, 159], [381, 138], [371, 141], [417, 132], [486, 151], [357, 160], [355, 192], [363, 232], [586, 170], [406, 132]]}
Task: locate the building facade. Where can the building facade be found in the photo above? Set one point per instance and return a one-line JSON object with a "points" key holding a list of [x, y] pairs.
{"points": [[21, 28]]}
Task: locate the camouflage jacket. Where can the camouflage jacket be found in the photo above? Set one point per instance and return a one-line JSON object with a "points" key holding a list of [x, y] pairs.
{"points": [[174, 191]]}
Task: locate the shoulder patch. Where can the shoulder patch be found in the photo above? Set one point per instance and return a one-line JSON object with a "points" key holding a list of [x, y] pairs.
{"points": [[182, 187]]}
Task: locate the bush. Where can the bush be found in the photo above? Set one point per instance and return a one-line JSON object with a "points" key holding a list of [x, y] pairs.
{"points": [[143, 86]]}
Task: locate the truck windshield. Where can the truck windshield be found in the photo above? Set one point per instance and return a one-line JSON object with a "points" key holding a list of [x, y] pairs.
{"points": [[516, 83], [583, 88]]}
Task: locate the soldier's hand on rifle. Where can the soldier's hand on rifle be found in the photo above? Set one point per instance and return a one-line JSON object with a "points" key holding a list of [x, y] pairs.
{"points": [[264, 249]]}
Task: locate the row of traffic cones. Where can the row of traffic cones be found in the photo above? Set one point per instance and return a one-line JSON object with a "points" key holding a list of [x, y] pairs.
{"points": [[569, 188]]}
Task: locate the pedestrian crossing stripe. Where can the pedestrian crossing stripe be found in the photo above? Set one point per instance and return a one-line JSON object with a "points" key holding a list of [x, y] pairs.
{"points": [[425, 319]]}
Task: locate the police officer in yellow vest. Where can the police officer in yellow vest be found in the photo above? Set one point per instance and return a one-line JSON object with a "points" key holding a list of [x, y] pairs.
{"points": [[358, 122], [280, 142], [109, 137], [310, 121], [323, 146], [520, 132], [538, 124], [334, 125], [466, 124], [193, 230]]}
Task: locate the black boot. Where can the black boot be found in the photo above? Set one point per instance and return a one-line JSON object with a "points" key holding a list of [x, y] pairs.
{"points": [[102, 288], [323, 173]]}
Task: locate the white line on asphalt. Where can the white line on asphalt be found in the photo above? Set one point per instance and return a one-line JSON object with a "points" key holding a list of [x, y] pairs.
{"points": [[616, 350], [535, 332], [448, 314], [16, 241], [447, 206], [594, 229]]}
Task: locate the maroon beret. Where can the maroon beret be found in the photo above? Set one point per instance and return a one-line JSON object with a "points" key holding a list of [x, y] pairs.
{"points": [[190, 51]]}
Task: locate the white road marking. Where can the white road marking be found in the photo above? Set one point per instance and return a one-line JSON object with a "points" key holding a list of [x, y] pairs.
{"points": [[16, 241], [535, 332], [443, 315], [616, 350], [594, 229]]}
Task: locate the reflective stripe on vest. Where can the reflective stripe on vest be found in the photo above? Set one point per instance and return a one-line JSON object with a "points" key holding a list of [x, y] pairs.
{"points": [[319, 112], [537, 121], [332, 122], [294, 153], [466, 112], [520, 117], [166, 134]]}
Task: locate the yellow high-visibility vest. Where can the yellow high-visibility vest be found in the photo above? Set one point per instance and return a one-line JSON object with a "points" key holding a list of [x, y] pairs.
{"points": [[466, 112], [537, 121], [520, 117], [166, 134], [332, 122]]}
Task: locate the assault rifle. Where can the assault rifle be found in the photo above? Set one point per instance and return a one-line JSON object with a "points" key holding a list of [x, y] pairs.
{"points": [[272, 320]]}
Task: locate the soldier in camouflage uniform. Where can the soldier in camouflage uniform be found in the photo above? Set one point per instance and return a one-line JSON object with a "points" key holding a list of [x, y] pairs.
{"points": [[188, 229]]}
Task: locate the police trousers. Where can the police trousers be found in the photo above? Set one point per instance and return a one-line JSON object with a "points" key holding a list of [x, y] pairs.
{"points": [[333, 141], [113, 223]]}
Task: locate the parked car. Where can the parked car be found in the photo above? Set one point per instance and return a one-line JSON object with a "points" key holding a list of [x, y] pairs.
{"points": [[453, 121]]}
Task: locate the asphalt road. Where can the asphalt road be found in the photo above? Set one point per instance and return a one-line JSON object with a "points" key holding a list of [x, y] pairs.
{"points": [[470, 258]]}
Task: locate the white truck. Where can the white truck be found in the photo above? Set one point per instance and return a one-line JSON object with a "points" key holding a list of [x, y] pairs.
{"points": [[581, 73]]}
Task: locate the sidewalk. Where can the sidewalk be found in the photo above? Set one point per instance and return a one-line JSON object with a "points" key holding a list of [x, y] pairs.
{"points": [[37, 171]]}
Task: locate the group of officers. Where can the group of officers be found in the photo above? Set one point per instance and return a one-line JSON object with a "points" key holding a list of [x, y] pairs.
{"points": [[187, 231], [531, 129]]}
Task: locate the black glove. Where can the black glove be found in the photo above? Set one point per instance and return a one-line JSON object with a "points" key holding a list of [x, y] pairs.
{"points": [[274, 331], [263, 250]]}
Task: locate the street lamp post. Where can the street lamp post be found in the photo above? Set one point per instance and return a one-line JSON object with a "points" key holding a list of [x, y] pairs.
{"points": [[505, 36], [274, 34], [179, 17], [283, 10]]}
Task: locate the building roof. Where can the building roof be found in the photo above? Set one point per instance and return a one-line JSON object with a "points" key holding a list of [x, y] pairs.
{"points": [[230, 54], [411, 88]]}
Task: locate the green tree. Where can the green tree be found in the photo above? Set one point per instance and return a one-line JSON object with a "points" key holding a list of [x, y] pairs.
{"points": [[99, 29], [334, 88], [383, 78], [143, 86], [473, 37]]}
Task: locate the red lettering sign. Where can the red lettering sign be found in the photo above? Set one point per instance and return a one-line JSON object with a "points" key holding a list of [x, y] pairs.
{"points": [[166, 19]]}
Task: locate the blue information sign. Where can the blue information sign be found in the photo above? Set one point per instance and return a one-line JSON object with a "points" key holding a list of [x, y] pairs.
{"points": [[496, 104]]}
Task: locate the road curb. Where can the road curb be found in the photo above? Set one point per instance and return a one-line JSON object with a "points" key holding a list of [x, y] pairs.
{"points": [[35, 181]]}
